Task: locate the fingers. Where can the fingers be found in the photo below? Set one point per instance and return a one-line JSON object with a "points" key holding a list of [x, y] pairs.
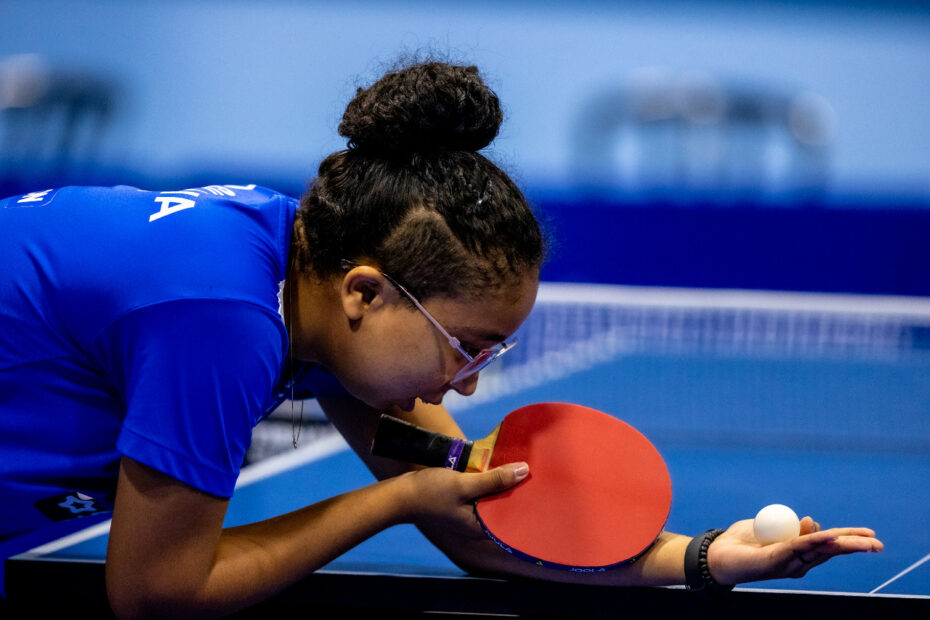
{"points": [[809, 551], [805, 559], [498, 479], [809, 526], [513, 473], [835, 541], [831, 534], [446, 496]]}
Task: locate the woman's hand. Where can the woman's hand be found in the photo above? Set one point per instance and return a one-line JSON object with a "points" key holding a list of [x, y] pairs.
{"points": [[440, 502], [736, 556], [444, 498]]}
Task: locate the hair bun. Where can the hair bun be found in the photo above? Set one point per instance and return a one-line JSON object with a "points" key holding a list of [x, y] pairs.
{"points": [[425, 107]]}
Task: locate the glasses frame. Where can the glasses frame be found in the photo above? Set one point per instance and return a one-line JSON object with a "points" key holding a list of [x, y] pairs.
{"points": [[475, 364]]}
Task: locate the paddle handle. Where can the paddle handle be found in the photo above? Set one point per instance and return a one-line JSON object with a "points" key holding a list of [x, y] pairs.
{"points": [[403, 441]]}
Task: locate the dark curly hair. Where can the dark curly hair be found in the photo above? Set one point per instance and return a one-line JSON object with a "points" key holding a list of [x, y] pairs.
{"points": [[413, 196]]}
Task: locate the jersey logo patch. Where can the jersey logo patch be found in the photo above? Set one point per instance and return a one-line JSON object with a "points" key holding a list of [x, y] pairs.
{"points": [[32, 199], [70, 505]]}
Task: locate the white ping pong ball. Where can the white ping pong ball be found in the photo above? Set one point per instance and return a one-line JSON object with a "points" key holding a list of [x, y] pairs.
{"points": [[776, 523]]}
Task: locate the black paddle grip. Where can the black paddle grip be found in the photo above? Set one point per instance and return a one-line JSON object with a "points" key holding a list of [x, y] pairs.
{"points": [[403, 441]]}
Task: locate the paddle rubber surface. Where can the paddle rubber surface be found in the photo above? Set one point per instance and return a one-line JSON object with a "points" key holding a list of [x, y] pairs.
{"points": [[598, 493]]}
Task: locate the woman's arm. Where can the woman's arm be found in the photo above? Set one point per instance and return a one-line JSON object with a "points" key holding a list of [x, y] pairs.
{"points": [[169, 556], [465, 543], [734, 557], [168, 553]]}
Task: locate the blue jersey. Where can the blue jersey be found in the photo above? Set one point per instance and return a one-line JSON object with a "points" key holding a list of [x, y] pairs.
{"points": [[136, 323]]}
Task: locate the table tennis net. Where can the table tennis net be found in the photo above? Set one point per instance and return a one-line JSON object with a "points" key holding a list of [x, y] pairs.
{"points": [[751, 368], [755, 368]]}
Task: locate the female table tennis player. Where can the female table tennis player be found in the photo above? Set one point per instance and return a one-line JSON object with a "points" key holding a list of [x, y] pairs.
{"points": [[146, 333]]}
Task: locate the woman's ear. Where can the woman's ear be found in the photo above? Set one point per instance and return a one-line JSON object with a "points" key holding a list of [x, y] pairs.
{"points": [[362, 290]]}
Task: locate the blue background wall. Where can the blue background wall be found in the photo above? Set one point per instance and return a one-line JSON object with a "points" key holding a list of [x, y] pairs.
{"points": [[770, 144]]}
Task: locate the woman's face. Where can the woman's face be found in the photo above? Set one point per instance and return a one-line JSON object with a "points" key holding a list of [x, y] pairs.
{"points": [[399, 355]]}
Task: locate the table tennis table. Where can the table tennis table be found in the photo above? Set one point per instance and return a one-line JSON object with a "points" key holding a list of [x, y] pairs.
{"points": [[399, 574], [839, 476]]}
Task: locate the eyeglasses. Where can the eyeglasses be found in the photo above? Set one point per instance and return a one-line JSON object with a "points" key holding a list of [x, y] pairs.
{"points": [[477, 361]]}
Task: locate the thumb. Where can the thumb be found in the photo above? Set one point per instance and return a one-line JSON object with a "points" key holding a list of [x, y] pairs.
{"points": [[500, 478], [809, 526]]}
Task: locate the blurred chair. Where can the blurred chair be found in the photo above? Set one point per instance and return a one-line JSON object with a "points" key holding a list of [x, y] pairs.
{"points": [[51, 122], [695, 134]]}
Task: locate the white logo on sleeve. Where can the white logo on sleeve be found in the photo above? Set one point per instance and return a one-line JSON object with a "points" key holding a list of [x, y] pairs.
{"points": [[172, 202], [33, 197], [31, 200]]}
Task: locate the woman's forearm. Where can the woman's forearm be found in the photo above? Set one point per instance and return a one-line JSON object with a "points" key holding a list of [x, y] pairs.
{"points": [[267, 555], [165, 558], [661, 564]]}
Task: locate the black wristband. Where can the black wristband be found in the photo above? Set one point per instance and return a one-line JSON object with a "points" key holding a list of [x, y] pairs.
{"points": [[697, 574]]}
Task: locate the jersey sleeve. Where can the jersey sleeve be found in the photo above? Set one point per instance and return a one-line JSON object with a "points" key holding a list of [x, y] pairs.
{"points": [[195, 375]]}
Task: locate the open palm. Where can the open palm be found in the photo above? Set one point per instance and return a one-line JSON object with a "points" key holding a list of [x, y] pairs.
{"points": [[736, 556]]}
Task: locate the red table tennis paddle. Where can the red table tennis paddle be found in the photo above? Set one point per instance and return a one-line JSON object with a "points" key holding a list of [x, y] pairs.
{"points": [[597, 496]]}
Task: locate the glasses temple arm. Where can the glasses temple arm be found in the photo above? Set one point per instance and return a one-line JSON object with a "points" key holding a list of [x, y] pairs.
{"points": [[452, 339]]}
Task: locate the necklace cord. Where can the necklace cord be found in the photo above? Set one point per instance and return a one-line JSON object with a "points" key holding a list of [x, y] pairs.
{"points": [[296, 425]]}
